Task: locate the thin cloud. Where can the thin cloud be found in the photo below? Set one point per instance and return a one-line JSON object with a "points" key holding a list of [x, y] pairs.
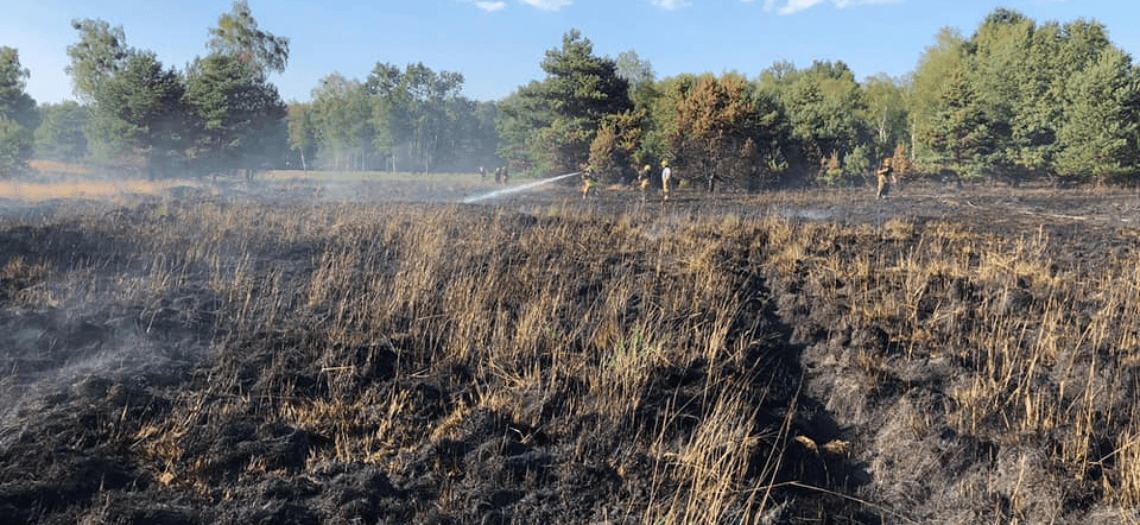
{"points": [[491, 7], [549, 5], [671, 5], [787, 7]]}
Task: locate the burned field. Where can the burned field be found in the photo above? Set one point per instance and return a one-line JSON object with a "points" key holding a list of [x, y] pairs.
{"points": [[948, 355]]}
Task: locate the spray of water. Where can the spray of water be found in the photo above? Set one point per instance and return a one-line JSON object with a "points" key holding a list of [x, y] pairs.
{"points": [[516, 189]]}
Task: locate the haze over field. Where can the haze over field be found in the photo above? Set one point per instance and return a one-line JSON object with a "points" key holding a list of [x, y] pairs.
{"points": [[498, 45]]}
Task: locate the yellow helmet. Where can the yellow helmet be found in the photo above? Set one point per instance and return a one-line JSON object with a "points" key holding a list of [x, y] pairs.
{"points": [[664, 162]]}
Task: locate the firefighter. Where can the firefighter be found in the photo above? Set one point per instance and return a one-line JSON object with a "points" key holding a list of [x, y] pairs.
{"points": [[643, 178], [589, 183], [666, 175], [884, 176]]}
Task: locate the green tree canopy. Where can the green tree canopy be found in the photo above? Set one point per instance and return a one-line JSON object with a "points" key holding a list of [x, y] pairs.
{"points": [[635, 71], [18, 116], [1048, 98], [238, 36], [960, 132], [418, 114], [341, 114], [240, 118], [139, 111], [15, 103], [938, 63], [551, 124], [302, 131], [61, 134], [1102, 119], [885, 111], [824, 106], [98, 56]]}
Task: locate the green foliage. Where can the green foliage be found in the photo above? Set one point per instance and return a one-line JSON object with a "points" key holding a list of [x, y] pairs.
{"points": [[935, 67], [98, 56], [581, 85], [137, 116], [239, 117], [410, 119], [824, 107], [1021, 98], [858, 162], [15, 103], [417, 115], [635, 351], [885, 111], [340, 116], [237, 36], [550, 125], [302, 131], [220, 115], [635, 71], [61, 134], [1100, 131], [140, 108], [15, 146], [960, 132], [18, 115], [1016, 97]]}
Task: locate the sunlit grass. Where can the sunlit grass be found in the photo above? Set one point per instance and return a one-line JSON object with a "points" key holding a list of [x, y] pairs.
{"points": [[36, 192]]}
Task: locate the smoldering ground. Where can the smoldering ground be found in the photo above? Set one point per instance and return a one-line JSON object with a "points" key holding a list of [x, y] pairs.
{"points": [[260, 354]]}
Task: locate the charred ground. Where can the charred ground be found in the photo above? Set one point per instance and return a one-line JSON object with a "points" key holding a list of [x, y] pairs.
{"points": [[956, 355]]}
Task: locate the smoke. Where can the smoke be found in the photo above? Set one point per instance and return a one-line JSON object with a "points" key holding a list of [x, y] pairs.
{"points": [[77, 326], [516, 189], [75, 308]]}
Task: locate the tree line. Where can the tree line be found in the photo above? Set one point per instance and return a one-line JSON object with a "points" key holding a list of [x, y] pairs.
{"points": [[410, 119], [219, 115], [1016, 99]]}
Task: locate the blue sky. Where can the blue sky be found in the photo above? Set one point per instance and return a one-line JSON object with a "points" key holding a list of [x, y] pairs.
{"points": [[498, 44]]}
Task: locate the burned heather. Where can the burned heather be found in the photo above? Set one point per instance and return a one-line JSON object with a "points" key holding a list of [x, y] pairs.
{"points": [[953, 356]]}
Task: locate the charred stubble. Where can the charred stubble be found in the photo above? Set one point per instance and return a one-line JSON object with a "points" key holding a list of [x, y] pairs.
{"points": [[427, 363]]}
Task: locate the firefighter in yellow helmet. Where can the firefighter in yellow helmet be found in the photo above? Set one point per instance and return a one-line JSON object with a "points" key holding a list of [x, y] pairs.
{"points": [[643, 178], [884, 176], [666, 175]]}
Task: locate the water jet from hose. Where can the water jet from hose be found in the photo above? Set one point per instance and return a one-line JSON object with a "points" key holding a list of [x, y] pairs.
{"points": [[524, 187]]}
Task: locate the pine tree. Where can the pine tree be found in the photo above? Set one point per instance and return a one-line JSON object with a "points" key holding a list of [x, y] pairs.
{"points": [[959, 133]]}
